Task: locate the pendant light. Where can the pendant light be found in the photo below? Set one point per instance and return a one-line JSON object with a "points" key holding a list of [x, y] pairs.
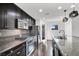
{"points": [[65, 19], [74, 13]]}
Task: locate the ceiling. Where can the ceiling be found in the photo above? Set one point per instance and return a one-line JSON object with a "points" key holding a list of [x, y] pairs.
{"points": [[50, 10]]}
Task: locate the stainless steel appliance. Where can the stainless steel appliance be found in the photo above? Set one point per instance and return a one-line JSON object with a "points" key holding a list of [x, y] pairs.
{"points": [[30, 46], [21, 24], [34, 31]]}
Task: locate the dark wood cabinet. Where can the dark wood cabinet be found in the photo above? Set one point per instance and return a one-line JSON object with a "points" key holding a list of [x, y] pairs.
{"points": [[9, 12], [2, 16], [18, 13], [7, 16], [32, 22], [10, 16], [20, 51]]}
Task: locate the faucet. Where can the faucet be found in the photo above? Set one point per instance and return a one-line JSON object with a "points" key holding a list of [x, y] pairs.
{"points": [[63, 35]]}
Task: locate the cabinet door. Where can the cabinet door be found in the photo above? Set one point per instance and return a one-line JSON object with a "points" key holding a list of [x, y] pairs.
{"points": [[20, 51], [10, 16], [2, 16], [33, 22], [18, 13], [29, 22]]}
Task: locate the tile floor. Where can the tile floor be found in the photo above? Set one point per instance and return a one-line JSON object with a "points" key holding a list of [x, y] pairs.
{"points": [[44, 49]]}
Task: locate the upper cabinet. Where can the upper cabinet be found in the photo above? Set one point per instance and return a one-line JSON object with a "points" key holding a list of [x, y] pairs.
{"points": [[2, 16], [33, 22], [10, 16], [9, 13]]}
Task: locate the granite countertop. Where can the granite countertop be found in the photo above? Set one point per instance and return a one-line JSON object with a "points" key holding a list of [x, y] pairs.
{"points": [[69, 46], [10, 45], [14, 43]]}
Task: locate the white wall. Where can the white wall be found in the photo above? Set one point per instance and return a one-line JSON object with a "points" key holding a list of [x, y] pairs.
{"points": [[48, 31], [75, 26], [51, 33], [68, 27], [68, 33]]}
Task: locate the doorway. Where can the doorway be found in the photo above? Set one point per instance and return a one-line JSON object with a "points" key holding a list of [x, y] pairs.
{"points": [[43, 32]]}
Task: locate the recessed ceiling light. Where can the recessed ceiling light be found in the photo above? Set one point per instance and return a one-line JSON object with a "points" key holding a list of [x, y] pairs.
{"points": [[59, 7], [40, 10], [72, 6]]}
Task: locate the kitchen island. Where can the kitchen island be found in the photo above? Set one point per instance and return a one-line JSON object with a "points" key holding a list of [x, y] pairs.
{"points": [[69, 46]]}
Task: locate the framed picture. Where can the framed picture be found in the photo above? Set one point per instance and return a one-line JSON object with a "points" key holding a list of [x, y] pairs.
{"points": [[54, 27]]}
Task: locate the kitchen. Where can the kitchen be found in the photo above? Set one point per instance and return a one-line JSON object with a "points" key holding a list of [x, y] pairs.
{"points": [[32, 29], [15, 26]]}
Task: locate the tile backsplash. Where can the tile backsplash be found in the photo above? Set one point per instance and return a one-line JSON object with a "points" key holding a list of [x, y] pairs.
{"points": [[5, 40], [8, 33]]}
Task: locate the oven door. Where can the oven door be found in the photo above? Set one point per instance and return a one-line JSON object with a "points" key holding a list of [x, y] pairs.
{"points": [[30, 47]]}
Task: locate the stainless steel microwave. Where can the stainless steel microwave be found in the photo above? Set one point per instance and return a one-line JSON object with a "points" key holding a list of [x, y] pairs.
{"points": [[21, 24]]}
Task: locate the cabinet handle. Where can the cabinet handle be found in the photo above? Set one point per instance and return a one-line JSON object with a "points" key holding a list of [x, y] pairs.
{"points": [[11, 51], [18, 52]]}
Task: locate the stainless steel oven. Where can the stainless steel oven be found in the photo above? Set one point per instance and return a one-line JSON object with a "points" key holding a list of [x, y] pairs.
{"points": [[30, 46]]}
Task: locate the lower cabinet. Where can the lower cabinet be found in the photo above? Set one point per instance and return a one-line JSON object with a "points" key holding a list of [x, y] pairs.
{"points": [[16, 51]]}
